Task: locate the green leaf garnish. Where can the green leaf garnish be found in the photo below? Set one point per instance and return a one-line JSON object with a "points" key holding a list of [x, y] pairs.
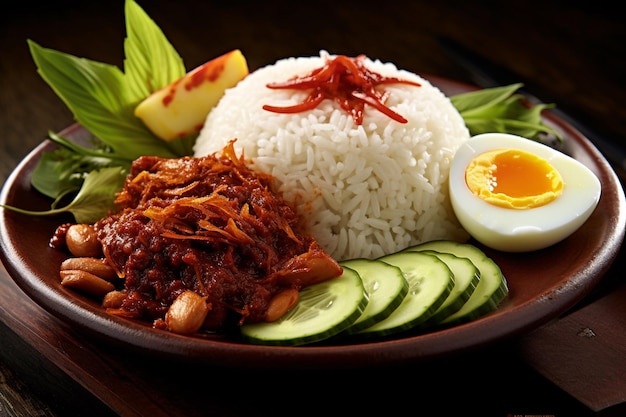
{"points": [[62, 171], [93, 201], [102, 98], [500, 109], [151, 61], [97, 95]]}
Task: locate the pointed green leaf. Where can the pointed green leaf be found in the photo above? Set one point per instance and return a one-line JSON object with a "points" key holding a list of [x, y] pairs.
{"points": [[151, 62], [96, 196], [500, 109], [483, 98], [97, 96], [93, 201]]}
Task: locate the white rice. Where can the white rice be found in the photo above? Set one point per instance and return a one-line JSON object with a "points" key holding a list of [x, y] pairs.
{"points": [[364, 191]]}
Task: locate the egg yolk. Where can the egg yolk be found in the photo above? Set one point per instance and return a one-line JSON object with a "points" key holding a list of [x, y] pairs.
{"points": [[513, 178]]}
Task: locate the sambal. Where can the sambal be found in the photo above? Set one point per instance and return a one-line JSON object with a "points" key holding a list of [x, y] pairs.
{"points": [[212, 226]]}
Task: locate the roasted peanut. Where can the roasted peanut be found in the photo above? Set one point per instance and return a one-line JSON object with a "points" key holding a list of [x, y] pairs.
{"points": [[86, 282], [113, 299], [82, 240], [96, 266], [310, 268], [187, 313], [281, 303]]}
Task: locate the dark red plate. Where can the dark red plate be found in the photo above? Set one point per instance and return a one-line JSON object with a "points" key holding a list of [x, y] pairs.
{"points": [[542, 284]]}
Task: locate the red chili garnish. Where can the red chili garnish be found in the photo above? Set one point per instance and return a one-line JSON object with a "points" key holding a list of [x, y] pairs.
{"points": [[345, 80]]}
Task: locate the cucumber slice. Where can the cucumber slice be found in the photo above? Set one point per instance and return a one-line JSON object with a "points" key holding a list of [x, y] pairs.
{"points": [[323, 310], [491, 289], [466, 278], [430, 282], [385, 286]]}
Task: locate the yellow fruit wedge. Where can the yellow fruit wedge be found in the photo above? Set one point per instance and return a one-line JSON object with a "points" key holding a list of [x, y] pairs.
{"points": [[181, 108]]}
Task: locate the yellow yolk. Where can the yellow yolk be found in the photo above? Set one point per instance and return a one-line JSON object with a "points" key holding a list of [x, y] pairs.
{"points": [[513, 178]]}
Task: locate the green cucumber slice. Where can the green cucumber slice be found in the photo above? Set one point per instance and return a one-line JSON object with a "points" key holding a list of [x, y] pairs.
{"points": [[323, 310], [466, 278], [492, 287], [430, 282], [385, 286]]}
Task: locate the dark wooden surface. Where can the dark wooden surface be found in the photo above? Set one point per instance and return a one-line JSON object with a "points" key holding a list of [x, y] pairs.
{"points": [[570, 55]]}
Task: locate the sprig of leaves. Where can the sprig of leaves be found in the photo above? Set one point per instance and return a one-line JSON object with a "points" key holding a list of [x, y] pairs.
{"points": [[501, 109], [93, 200], [102, 98], [63, 171]]}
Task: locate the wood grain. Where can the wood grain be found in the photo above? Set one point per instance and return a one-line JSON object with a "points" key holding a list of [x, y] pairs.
{"points": [[593, 338]]}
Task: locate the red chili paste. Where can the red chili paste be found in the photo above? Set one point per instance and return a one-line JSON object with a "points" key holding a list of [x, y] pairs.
{"points": [[210, 225], [347, 81]]}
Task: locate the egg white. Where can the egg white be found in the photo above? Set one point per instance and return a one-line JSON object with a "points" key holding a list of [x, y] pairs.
{"points": [[512, 230]]}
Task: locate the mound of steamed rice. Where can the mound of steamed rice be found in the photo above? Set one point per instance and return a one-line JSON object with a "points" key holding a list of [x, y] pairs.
{"points": [[363, 191]]}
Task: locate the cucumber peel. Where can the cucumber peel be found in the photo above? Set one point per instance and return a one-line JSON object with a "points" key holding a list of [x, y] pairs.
{"points": [[386, 288], [430, 282], [492, 287], [466, 278]]}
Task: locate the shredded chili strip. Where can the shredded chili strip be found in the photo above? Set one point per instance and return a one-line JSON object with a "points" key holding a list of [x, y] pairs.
{"points": [[347, 81]]}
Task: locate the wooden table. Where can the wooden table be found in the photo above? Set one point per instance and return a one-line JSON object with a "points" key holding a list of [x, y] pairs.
{"points": [[570, 55]]}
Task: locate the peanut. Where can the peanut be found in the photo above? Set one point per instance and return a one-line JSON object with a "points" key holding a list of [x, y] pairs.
{"points": [[281, 303], [82, 241], [113, 299], [96, 266], [187, 313], [86, 282]]}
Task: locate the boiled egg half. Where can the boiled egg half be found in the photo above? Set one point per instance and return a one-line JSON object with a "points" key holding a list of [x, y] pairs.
{"points": [[517, 195]]}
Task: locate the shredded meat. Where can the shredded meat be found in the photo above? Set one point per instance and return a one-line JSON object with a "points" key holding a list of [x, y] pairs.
{"points": [[210, 225]]}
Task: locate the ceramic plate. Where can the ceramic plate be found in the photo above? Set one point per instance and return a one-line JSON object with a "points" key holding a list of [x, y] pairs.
{"points": [[542, 284]]}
